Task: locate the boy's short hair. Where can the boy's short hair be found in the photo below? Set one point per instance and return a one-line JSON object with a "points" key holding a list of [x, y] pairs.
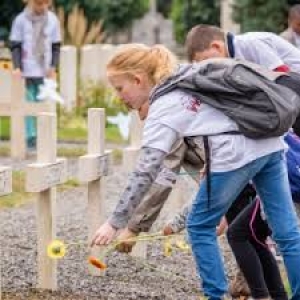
{"points": [[200, 37]]}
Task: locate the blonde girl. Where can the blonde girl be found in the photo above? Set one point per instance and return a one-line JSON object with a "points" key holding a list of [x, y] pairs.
{"points": [[135, 72]]}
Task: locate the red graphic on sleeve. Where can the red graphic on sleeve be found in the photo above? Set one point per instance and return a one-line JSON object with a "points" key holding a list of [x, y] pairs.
{"points": [[191, 104]]}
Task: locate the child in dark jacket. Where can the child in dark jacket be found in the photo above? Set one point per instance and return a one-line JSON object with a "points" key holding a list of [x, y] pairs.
{"points": [[248, 231]]}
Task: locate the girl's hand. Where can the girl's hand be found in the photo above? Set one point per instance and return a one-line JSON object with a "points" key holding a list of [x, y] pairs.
{"points": [[126, 246], [104, 235], [51, 74], [17, 73], [167, 230]]}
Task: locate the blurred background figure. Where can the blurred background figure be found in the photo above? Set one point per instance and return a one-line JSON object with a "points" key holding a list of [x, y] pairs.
{"points": [[292, 33]]}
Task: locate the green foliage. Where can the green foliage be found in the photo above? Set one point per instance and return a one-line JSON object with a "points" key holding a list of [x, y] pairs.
{"points": [[93, 9], [72, 126], [260, 15], [119, 14], [187, 13], [164, 7], [95, 94], [8, 11]]}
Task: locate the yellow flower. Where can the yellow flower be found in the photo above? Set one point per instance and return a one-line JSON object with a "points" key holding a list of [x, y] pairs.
{"points": [[56, 249], [182, 245], [167, 248]]}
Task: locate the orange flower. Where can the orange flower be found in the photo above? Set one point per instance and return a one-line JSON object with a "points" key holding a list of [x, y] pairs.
{"points": [[97, 263]]}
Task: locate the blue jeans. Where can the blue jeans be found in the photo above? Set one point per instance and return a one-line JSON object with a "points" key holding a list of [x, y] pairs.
{"points": [[32, 91], [269, 176]]}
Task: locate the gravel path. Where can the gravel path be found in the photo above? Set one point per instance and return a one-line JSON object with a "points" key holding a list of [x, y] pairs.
{"points": [[126, 277]]}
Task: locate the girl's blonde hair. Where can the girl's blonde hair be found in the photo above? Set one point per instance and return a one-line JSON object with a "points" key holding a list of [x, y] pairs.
{"points": [[156, 62]]}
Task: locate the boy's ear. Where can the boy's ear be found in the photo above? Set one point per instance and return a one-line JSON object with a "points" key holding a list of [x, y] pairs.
{"points": [[218, 45]]}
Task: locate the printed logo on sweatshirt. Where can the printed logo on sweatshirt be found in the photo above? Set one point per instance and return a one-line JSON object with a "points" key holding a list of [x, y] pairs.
{"points": [[190, 103]]}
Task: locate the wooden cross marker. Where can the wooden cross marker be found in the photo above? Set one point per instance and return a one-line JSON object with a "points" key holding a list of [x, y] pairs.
{"points": [[5, 181], [5, 188], [42, 178], [14, 105], [92, 168]]}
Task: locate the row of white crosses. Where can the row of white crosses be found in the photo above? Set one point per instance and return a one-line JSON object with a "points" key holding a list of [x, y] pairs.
{"points": [[49, 171], [12, 99], [43, 176]]}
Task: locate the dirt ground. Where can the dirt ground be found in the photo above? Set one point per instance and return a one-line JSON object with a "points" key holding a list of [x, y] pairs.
{"points": [[127, 278], [45, 295]]}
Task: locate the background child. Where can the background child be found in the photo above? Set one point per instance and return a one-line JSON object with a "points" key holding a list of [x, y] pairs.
{"points": [[35, 46], [263, 48], [248, 232], [292, 33]]}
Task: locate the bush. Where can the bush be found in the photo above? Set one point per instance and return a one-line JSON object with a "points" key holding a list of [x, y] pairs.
{"points": [[97, 94]]}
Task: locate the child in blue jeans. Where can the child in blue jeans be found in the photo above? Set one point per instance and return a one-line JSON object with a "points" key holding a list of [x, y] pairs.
{"points": [[35, 46], [136, 72], [248, 231]]}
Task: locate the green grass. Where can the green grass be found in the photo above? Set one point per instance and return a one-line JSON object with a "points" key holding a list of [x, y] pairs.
{"points": [[73, 131], [71, 152], [112, 135], [4, 128], [79, 134], [72, 134], [4, 151], [19, 197]]}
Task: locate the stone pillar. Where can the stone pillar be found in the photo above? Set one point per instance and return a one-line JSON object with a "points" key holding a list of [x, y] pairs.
{"points": [[94, 59], [226, 19], [68, 76], [89, 66]]}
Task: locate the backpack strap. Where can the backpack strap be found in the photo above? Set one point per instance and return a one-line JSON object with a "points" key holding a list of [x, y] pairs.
{"points": [[207, 169]]}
